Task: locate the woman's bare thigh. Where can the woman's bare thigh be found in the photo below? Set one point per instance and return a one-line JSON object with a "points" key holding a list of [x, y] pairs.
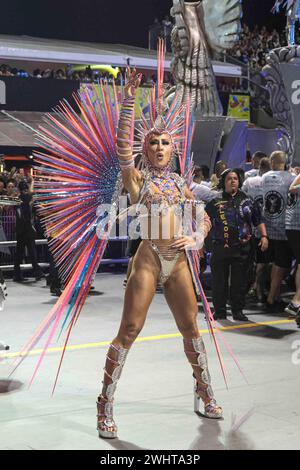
{"points": [[140, 289], [180, 295]]}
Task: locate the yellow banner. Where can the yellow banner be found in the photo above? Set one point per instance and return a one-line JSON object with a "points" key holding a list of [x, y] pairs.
{"points": [[141, 101], [239, 107]]}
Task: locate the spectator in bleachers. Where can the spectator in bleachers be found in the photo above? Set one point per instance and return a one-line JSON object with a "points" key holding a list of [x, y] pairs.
{"points": [[5, 71], [86, 76], [76, 76], [253, 46], [2, 186], [167, 27], [155, 31], [60, 74], [48, 73], [37, 73], [11, 190]]}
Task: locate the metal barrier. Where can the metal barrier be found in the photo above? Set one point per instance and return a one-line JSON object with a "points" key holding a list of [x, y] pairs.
{"points": [[8, 245], [43, 242], [9, 222]]}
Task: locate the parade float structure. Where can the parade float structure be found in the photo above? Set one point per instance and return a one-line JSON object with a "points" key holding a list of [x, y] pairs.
{"points": [[282, 73], [201, 29]]}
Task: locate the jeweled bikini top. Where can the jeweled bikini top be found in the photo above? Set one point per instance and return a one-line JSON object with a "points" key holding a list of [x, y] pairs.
{"points": [[170, 188]]}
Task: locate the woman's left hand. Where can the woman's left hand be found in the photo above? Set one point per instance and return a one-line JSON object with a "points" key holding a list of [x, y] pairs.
{"points": [[184, 242], [132, 82], [264, 244]]}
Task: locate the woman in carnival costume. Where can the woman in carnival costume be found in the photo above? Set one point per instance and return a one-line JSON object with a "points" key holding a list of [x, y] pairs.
{"points": [[87, 159], [159, 259]]}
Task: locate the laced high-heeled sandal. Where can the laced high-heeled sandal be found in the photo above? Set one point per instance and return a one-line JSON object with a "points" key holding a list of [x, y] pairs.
{"points": [[106, 425], [211, 409], [202, 389]]}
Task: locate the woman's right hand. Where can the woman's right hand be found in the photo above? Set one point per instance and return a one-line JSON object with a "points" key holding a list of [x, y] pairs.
{"points": [[132, 82]]}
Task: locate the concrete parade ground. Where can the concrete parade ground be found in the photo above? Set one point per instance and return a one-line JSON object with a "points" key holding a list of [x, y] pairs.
{"points": [[154, 398]]}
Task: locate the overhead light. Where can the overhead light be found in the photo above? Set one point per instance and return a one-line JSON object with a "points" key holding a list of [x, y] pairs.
{"points": [[31, 156]]}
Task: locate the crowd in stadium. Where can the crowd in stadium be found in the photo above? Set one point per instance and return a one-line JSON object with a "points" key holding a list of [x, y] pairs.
{"points": [[252, 49], [254, 45], [63, 73]]}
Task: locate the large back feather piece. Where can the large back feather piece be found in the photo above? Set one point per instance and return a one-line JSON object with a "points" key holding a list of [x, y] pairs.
{"points": [[78, 171]]}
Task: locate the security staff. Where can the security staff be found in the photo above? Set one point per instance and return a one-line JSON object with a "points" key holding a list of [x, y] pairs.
{"points": [[232, 215]]}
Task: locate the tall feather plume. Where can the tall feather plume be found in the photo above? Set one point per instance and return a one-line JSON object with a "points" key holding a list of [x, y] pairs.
{"points": [[186, 160], [160, 75]]}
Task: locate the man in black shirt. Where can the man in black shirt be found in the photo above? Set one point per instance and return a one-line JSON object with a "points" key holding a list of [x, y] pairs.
{"points": [[232, 215], [25, 234]]}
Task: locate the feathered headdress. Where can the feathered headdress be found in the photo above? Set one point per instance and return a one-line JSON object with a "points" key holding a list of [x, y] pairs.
{"points": [[174, 120]]}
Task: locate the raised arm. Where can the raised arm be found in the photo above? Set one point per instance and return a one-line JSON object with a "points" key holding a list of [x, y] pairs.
{"points": [[125, 131], [295, 185]]}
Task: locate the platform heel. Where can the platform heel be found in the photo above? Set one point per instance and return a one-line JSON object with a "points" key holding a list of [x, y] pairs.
{"points": [[196, 354], [115, 360]]}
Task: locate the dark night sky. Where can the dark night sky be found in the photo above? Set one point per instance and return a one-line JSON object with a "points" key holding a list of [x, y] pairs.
{"points": [[112, 21]]}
